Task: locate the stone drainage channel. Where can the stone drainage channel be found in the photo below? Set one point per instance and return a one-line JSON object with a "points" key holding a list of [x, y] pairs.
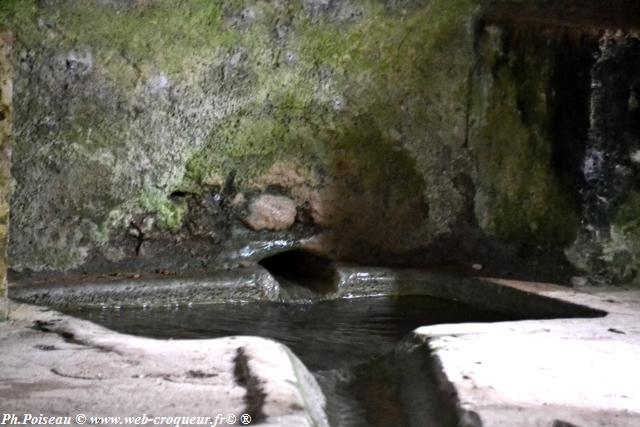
{"points": [[349, 325]]}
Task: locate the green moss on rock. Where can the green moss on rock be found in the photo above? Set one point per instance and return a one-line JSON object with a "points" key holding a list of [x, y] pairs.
{"points": [[155, 97], [520, 198], [6, 107], [168, 213], [128, 40], [621, 252], [349, 87]]}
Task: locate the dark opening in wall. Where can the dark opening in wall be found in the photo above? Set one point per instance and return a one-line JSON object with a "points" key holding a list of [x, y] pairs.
{"points": [[303, 268], [593, 50], [570, 109], [559, 60], [565, 78], [612, 162], [529, 126]]}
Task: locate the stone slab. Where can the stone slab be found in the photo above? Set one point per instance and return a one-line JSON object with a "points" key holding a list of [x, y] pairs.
{"points": [[535, 373], [57, 365]]}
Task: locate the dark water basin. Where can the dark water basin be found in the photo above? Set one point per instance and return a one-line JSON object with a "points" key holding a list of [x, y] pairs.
{"points": [[344, 342], [373, 373], [324, 335]]}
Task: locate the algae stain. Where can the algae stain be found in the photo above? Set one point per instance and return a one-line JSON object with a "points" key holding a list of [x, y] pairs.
{"points": [[366, 67], [168, 213], [520, 197], [346, 85], [622, 250]]}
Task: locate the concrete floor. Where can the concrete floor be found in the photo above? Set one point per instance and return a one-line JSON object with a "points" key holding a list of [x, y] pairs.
{"points": [[552, 373], [60, 366], [561, 373]]}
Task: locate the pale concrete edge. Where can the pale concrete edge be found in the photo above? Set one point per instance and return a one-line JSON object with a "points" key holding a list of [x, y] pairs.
{"points": [[88, 334], [310, 391], [428, 334]]}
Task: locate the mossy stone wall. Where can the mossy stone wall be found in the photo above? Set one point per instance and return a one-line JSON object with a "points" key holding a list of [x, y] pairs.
{"points": [[5, 161], [407, 132], [520, 197], [145, 129]]}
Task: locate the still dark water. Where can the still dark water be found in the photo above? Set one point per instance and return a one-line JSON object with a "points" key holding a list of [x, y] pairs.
{"points": [[343, 342], [324, 335]]}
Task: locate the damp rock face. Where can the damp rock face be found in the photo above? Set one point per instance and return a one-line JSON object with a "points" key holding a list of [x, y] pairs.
{"points": [[6, 42], [608, 245], [139, 123], [193, 135], [519, 195], [553, 122]]}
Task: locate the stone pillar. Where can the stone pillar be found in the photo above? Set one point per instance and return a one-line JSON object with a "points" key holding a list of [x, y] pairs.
{"points": [[6, 41]]}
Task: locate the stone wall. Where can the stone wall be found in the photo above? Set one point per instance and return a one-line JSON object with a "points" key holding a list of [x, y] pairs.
{"points": [[180, 136], [147, 133], [555, 119], [5, 161]]}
